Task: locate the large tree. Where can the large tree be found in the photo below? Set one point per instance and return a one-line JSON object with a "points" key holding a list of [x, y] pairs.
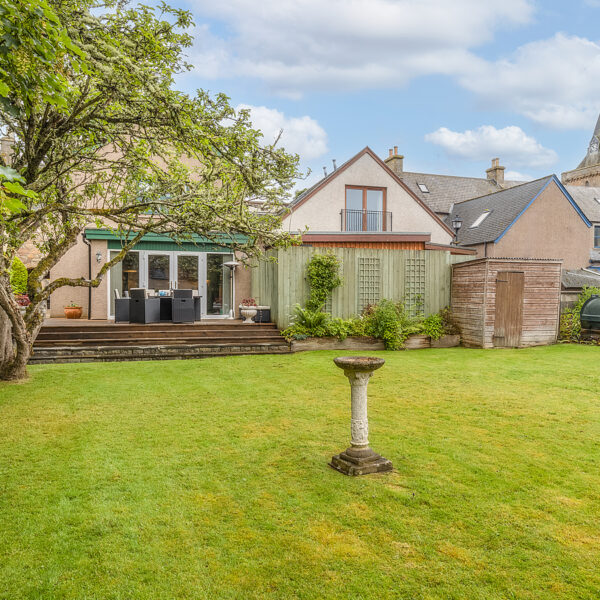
{"points": [[102, 137]]}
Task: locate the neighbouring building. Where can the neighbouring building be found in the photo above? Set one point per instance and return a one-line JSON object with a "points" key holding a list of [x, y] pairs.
{"points": [[587, 172], [538, 219], [441, 192]]}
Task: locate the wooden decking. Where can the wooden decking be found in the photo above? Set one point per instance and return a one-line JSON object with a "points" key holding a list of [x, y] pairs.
{"points": [[65, 340]]}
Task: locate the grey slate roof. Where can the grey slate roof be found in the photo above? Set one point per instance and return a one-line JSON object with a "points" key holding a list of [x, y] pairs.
{"points": [[579, 278], [503, 207], [446, 190], [585, 197]]}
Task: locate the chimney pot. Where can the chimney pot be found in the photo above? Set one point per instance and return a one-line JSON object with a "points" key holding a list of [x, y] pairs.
{"points": [[325, 171], [395, 150], [334, 164], [391, 152]]}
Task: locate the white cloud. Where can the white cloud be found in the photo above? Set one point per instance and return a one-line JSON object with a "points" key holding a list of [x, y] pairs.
{"points": [[301, 135], [554, 82], [298, 45], [511, 144], [516, 176]]}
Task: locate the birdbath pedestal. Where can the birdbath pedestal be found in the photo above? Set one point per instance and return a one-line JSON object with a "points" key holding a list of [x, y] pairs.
{"points": [[359, 458]]}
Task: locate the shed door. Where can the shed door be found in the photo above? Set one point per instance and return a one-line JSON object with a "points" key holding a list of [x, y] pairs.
{"points": [[509, 309]]}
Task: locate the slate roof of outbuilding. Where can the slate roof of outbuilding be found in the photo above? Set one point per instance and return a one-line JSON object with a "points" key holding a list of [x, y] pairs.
{"points": [[504, 207], [579, 278], [588, 199], [446, 190]]}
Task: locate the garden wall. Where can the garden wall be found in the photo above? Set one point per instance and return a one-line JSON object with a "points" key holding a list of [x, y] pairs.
{"points": [[420, 278]]}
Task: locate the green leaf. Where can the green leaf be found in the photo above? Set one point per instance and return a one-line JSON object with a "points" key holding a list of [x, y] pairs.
{"points": [[10, 174], [11, 205], [4, 89], [17, 188]]}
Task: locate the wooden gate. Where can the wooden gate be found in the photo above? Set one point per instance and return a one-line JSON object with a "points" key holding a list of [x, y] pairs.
{"points": [[509, 309]]}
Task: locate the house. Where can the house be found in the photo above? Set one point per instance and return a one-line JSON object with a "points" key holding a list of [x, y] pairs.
{"points": [[588, 199], [537, 219], [363, 203]]}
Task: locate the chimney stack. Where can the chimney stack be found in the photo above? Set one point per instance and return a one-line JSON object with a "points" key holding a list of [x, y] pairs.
{"points": [[395, 161], [496, 172]]}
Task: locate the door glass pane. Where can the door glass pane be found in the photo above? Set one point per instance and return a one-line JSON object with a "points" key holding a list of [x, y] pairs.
{"points": [[374, 210], [218, 284], [123, 276], [187, 272], [354, 205], [159, 272]]}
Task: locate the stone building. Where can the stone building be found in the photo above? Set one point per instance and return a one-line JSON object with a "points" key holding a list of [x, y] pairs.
{"points": [[587, 172]]}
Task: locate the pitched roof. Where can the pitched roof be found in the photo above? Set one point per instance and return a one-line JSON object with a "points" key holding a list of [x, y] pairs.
{"points": [[579, 278], [304, 196], [503, 209], [588, 199], [446, 190]]}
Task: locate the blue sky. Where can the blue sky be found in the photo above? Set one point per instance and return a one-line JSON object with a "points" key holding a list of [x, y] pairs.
{"points": [[452, 84]]}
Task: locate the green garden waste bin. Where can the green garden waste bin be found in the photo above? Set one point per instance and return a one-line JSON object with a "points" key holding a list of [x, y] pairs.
{"points": [[590, 314]]}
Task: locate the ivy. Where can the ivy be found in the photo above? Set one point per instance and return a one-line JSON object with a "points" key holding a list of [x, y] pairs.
{"points": [[323, 278]]}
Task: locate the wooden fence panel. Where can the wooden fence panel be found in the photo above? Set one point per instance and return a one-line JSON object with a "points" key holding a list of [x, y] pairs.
{"points": [[282, 285]]}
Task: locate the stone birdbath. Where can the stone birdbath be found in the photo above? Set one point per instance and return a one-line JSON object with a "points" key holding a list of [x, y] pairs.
{"points": [[359, 458]]}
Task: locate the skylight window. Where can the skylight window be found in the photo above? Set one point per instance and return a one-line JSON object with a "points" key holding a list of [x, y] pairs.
{"points": [[597, 200], [423, 188], [480, 219]]}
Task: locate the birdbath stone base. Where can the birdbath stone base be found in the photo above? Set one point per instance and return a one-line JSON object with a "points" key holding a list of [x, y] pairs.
{"points": [[359, 458]]}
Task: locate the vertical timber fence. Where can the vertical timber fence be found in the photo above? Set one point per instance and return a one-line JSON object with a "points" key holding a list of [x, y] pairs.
{"points": [[420, 278]]}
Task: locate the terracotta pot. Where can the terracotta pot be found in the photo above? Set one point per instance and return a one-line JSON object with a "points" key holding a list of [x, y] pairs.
{"points": [[73, 312]]}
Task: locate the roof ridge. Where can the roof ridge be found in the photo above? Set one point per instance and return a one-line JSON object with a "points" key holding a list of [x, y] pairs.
{"points": [[507, 189]]}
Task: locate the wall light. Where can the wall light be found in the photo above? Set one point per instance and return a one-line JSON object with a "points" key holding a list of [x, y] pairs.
{"points": [[98, 256]]}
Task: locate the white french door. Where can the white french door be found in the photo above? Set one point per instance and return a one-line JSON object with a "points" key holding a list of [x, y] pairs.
{"points": [[202, 272]]}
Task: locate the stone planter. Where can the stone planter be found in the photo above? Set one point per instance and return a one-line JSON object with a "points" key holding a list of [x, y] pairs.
{"points": [[248, 312], [417, 342], [73, 312], [446, 341], [329, 343]]}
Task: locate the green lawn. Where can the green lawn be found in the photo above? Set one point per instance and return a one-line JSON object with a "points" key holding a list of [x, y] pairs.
{"points": [[209, 479]]}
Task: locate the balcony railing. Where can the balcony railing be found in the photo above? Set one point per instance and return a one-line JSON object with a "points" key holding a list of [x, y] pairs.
{"points": [[366, 220]]}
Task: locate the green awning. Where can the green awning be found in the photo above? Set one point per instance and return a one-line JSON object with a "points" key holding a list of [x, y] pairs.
{"points": [[156, 241]]}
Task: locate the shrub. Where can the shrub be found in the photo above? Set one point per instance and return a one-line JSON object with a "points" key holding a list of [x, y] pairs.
{"points": [[307, 323], [390, 322], [433, 326], [323, 278], [570, 325], [18, 277], [450, 325]]}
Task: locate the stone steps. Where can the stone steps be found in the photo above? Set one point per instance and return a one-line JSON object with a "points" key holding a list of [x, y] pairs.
{"points": [[103, 342]]}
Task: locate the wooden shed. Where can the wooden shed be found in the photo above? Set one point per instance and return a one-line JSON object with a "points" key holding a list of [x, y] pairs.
{"points": [[507, 302]]}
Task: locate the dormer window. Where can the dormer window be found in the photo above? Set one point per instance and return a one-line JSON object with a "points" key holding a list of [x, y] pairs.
{"points": [[423, 188], [480, 219]]}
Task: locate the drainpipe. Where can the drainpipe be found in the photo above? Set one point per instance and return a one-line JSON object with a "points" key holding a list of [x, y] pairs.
{"points": [[89, 245]]}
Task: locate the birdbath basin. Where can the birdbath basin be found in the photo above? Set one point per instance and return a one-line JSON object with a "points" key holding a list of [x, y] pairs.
{"points": [[359, 458], [359, 363]]}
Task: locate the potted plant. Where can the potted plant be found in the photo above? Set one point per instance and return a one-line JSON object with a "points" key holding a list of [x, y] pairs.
{"points": [[248, 309], [73, 311]]}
